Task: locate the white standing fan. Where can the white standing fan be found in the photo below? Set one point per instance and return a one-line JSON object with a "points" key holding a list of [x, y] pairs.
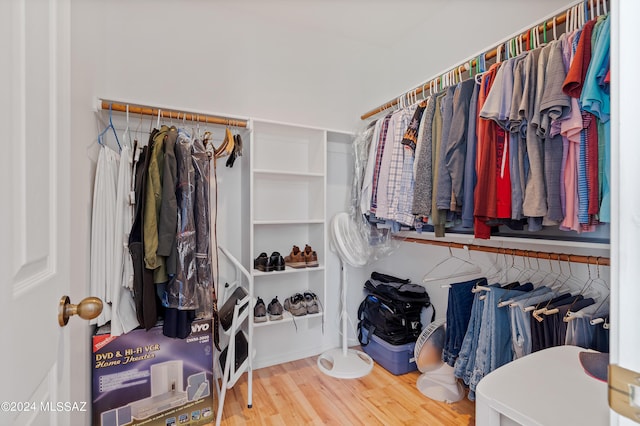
{"points": [[351, 248], [437, 380]]}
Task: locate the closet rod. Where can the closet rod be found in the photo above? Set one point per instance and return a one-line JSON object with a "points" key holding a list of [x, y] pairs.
{"points": [[573, 258], [560, 18], [169, 113]]}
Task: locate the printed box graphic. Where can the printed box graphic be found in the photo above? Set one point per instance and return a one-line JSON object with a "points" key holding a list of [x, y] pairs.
{"points": [[146, 378]]}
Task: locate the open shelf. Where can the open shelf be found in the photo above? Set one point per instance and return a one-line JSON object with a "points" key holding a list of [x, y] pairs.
{"points": [[288, 270], [286, 318], [288, 182], [287, 173], [289, 222]]}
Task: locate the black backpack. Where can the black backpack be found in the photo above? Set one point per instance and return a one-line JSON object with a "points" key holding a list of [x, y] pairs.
{"points": [[392, 310]]}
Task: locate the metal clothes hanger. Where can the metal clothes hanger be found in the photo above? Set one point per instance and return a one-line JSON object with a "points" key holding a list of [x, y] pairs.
{"points": [[471, 268], [111, 127], [554, 293]]}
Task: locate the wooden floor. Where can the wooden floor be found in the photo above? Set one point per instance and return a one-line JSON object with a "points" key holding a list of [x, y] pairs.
{"points": [[297, 393]]}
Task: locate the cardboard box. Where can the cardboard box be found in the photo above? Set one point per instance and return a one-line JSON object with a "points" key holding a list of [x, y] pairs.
{"points": [[146, 378]]}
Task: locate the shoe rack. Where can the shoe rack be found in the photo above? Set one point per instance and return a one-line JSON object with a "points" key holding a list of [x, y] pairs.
{"points": [[288, 185]]}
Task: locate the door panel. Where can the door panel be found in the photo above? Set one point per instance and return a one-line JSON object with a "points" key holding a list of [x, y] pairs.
{"points": [[34, 189]]}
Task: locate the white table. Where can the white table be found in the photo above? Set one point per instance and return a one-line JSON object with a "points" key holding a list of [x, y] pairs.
{"points": [[546, 388]]}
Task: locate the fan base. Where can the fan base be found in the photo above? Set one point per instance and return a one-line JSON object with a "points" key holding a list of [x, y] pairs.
{"points": [[354, 365], [441, 385]]}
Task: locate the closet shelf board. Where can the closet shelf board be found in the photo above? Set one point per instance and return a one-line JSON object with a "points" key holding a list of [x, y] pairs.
{"points": [[287, 270], [287, 173], [286, 318], [289, 222]]}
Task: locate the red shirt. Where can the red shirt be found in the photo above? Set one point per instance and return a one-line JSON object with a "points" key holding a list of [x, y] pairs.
{"points": [[485, 195]]}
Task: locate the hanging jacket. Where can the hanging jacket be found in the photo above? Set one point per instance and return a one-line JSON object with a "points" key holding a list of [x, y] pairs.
{"points": [[168, 219], [202, 220], [153, 201], [143, 286], [181, 289]]}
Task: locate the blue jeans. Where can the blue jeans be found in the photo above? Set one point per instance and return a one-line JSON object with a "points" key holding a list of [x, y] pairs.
{"points": [[459, 309], [465, 363], [521, 323], [494, 346], [579, 333]]}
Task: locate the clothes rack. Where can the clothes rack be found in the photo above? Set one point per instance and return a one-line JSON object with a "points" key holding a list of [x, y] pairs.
{"points": [[153, 111], [590, 260], [548, 24]]}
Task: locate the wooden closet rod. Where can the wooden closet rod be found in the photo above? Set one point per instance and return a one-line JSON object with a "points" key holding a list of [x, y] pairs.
{"points": [[169, 113], [573, 258], [490, 54]]}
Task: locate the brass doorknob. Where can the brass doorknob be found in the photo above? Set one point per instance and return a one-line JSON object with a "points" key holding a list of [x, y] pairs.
{"points": [[88, 309]]}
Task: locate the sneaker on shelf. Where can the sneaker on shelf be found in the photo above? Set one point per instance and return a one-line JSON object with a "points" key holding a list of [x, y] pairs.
{"points": [[259, 311], [262, 263], [276, 261], [296, 305], [275, 310], [311, 303], [295, 259], [310, 257]]}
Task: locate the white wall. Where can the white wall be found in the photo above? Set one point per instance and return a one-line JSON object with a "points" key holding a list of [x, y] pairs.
{"points": [[312, 62]]}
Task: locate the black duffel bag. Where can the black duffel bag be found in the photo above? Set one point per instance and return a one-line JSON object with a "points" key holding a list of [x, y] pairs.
{"points": [[392, 310]]}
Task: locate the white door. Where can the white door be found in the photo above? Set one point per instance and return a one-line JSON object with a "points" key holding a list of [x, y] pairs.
{"points": [[34, 221], [625, 149]]}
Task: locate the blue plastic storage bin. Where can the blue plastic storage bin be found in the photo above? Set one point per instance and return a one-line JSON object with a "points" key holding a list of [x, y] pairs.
{"points": [[397, 359]]}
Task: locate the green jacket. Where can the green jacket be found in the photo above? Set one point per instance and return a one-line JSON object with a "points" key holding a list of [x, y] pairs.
{"points": [[153, 201]]}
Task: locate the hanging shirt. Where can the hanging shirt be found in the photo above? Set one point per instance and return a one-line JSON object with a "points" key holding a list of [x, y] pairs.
{"points": [[443, 197], [123, 312], [378, 163], [438, 221], [554, 106], [534, 204], [595, 99], [382, 200], [367, 178], [485, 197], [102, 276], [424, 166], [456, 151], [409, 142], [570, 128], [497, 108], [394, 186], [518, 161], [470, 176]]}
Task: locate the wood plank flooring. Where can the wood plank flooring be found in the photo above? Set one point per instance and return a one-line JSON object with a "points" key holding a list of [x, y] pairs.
{"points": [[297, 393]]}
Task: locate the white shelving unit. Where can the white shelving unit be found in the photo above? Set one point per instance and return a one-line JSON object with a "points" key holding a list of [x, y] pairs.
{"points": [[288, 184]]}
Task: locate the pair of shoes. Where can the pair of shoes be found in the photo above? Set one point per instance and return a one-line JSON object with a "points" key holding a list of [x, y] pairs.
{"points": [[273, 311], [302, 259], [299, 305], [265, 263]]}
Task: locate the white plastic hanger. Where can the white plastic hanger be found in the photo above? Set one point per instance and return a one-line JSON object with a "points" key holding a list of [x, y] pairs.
{"points": [[126, 135], [465, 267]]}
